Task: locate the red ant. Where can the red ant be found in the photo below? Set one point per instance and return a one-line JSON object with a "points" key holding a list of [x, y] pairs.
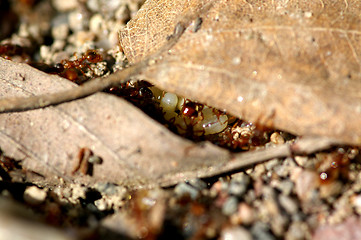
{"points": [[241, 136], [137, 93], [333, 166], [7, 165], [191, 113], [73, 70], [8, 51]]}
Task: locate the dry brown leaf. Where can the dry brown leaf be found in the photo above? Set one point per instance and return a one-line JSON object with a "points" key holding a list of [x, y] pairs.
{"points": [[293, 65], [135, 149]]}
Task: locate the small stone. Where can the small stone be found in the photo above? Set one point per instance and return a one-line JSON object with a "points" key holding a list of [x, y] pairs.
{"points": [[58, 45], [356, 202], [60, 32], [276, 138], [260, 231], [64, 6], [305, 183], [198, 183], [271, 164], [285, 187], [96, 23], [34, 195], [297, 231], [77, 21], [279, 224], [101, 204], [103, 6], [82, 41], [45, 52], [288, 204], [230, 206], [241, 177], [122, 14], [301, 161], [108, 188], [237, 188], [259, 171], [184, 188], [216, 189], [245, 213], [349, 229], [235, 233], [79, 192]]}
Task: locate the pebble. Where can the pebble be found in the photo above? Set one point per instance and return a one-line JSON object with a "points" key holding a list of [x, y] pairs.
{"points": [[285, 186], [237, 188], [82, 41], [60, 19], [45, 53], [109, 188], [60, 32], [260, 231], [58, 45], [288, 204], [101, 204], [77, 21], [96, 23], [276, 138], [356, 202], [245, 213], [259, 171], [198, 183], [235, 233], [105, 7], [184, 188], [297, 231], [230, 206], [271, 164], [301, 161], [279, 224], [34, 195], [64, 6], [122, 14], [305, 183]]}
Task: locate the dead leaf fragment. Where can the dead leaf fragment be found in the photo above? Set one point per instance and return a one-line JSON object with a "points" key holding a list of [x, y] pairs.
{"points": [[291, 65], [135, 149]]}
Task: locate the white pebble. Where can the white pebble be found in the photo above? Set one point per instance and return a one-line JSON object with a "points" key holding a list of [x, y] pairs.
{"points": [[96, 23], [60, 32], [64, 6], [76, 21], [235, 233], [34, 195]]}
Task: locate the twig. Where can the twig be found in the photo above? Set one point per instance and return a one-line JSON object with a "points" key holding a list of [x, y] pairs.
{"points": [[250, 158], [17, 104]]}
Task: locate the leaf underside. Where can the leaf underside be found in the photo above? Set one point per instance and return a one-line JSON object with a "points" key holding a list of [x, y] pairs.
{"points": [[292, 65]]}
